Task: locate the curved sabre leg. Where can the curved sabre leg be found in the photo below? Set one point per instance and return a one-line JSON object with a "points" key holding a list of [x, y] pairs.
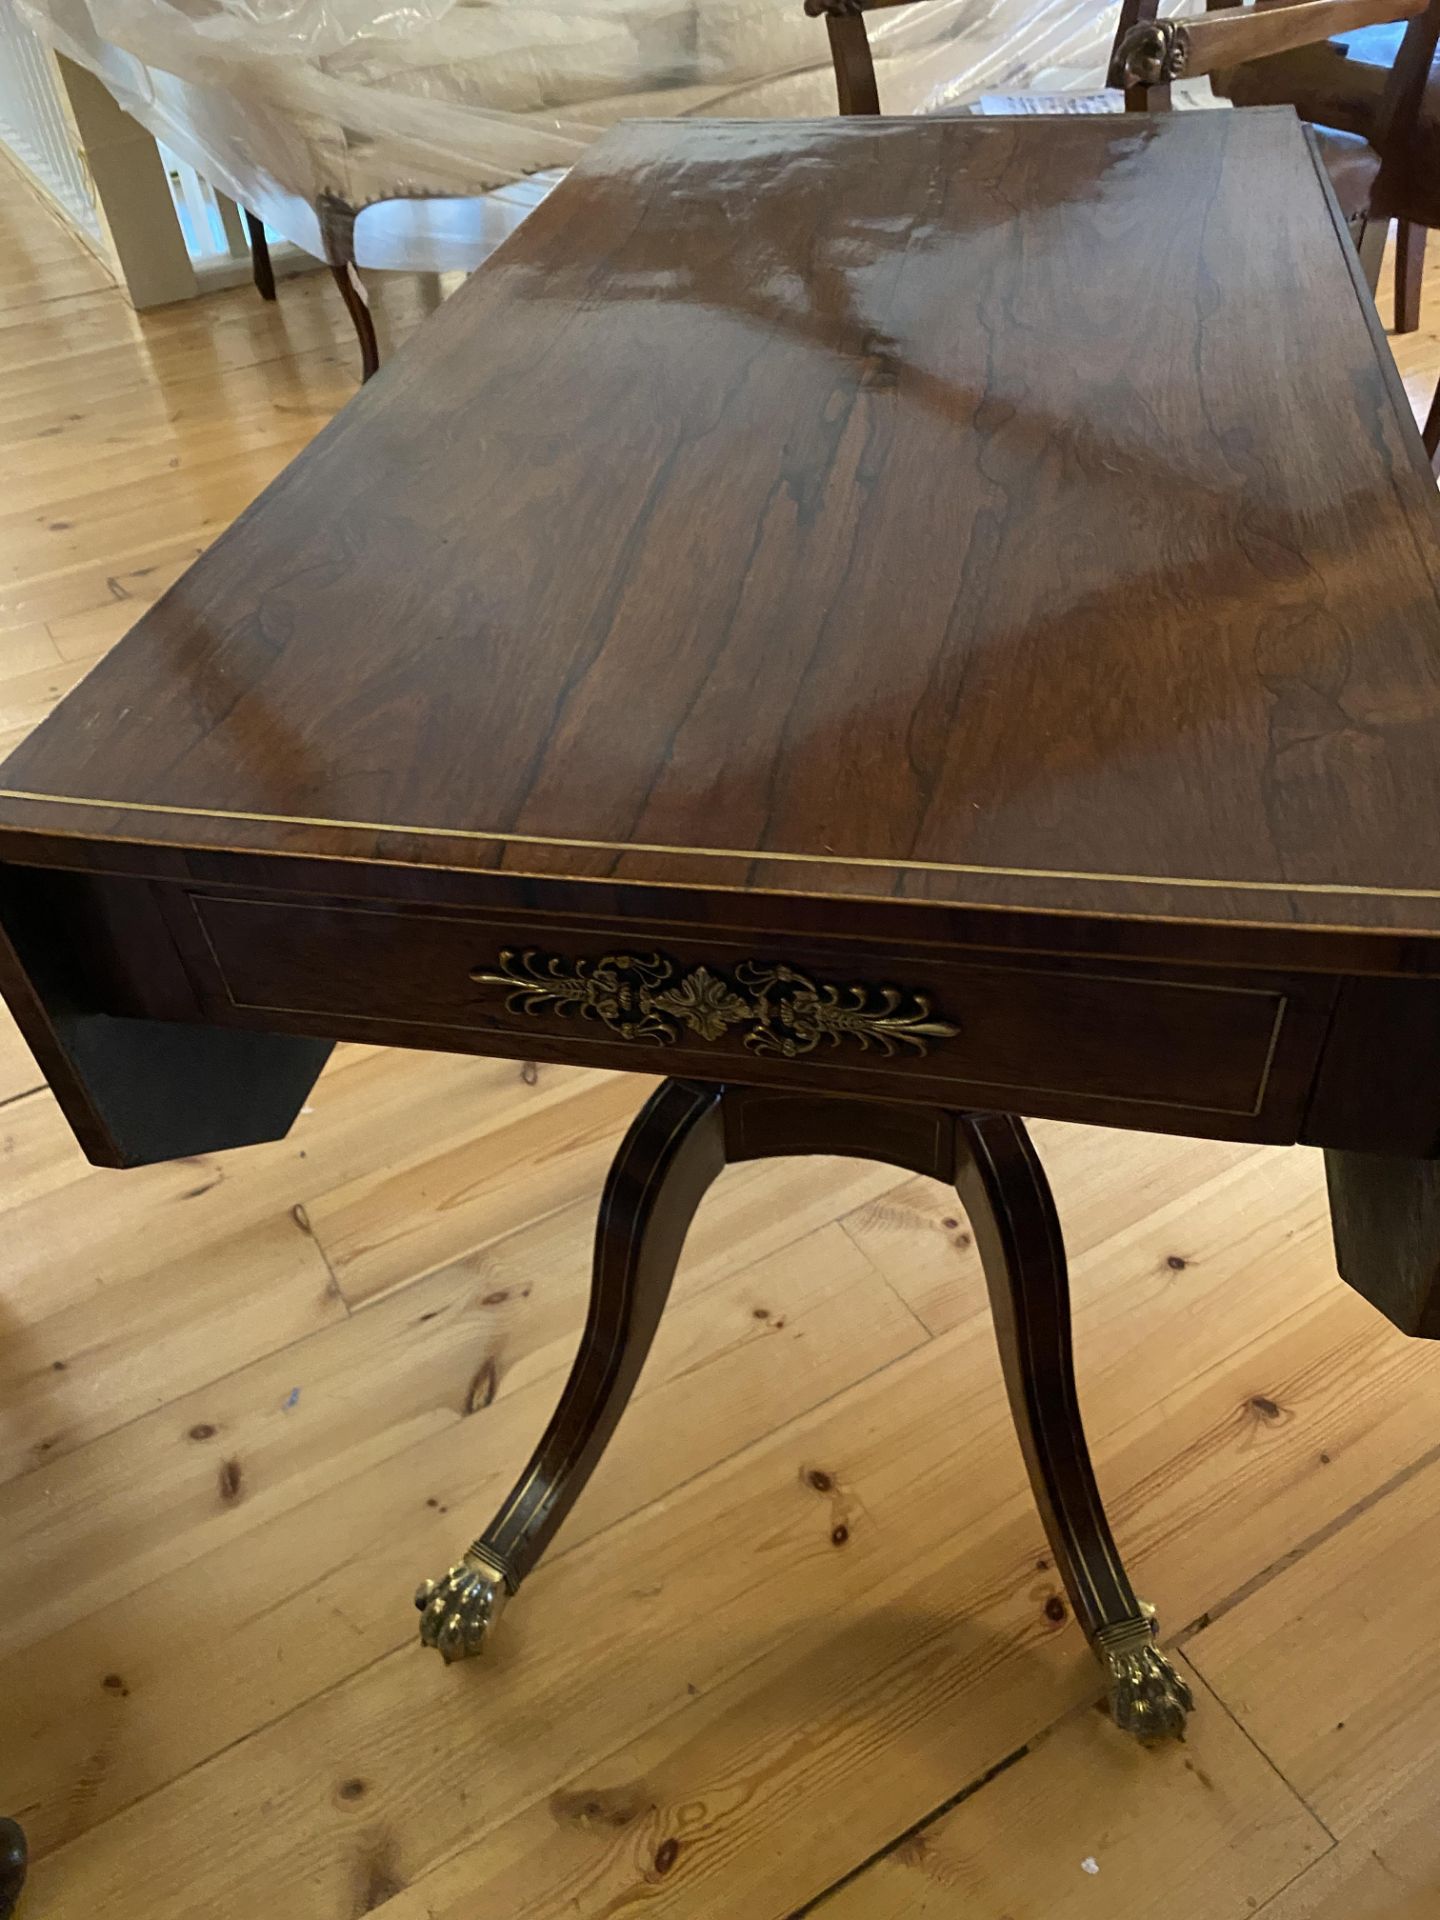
{"points": [[666, 1162], [13, 1860], [1003, 1188]]}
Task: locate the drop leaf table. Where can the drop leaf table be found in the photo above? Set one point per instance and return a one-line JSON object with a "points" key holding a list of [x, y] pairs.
{"points": [[902, 624]]}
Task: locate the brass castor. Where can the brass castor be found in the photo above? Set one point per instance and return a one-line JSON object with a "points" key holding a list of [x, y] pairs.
{"points": [[458, 1612], [14, 1858], [1147, 1696]]}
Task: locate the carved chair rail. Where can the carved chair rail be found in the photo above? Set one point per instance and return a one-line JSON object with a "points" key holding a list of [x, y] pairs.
{"points": [[1155, 52], [1148, 53]]}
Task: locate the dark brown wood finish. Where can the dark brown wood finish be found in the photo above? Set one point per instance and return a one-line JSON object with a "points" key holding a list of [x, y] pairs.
{"points": [[1368, 118], [1373, 94], [1370, 94], [136, 1085], [357, 305], [1004, 1192], [1161, 1047], [683, 1138], [855, 85], [665, 1164], [1155, 576], [1385, 1212], [1124, 791]]}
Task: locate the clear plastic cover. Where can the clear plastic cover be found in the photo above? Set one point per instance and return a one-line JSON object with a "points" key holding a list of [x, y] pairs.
{"points": [[285, 103]]}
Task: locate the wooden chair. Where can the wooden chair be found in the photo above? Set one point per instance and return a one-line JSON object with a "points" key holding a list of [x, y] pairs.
{"points": [[1376, 173]]}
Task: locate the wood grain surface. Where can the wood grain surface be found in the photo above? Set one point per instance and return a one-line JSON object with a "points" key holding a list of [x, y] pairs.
{"points": [[949, 511]]}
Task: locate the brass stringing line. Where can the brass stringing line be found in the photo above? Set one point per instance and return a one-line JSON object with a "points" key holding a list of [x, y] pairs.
{"points": [[851, 1066], [586, 929], [1078, 1561], [1099, 1519], [1270, 1052], [1344, 888]]}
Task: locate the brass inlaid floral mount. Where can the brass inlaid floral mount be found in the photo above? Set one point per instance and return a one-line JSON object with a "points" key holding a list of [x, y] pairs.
{"points": [[650, 998]]}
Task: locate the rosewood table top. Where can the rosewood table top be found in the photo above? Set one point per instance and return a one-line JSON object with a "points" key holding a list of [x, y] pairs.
{"points": [[963, 514]]}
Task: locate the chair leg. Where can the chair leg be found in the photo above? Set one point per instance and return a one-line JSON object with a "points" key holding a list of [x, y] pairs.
{"points": [[337, 237], [1409, 270], [352, 292], [260, 265], [1370, 236], [13, 1862], [1003, 1189], [664, 1166]]}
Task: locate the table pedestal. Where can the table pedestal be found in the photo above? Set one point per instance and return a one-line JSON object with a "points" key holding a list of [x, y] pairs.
{"points": [[679, 1142]]}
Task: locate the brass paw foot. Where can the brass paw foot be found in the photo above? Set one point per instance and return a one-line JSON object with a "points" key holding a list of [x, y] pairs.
{"points": [[1147, 1696], [458, 1612], [12, 1866]]}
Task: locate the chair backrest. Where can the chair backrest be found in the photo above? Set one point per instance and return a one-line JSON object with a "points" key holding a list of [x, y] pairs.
{"points": [[1401, 103], [1150, 53]]}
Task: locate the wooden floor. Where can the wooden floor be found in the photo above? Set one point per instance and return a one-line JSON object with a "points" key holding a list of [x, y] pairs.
{"points": [[800, 1648]]}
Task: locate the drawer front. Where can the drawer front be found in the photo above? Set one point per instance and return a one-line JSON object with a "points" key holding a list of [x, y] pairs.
{"points": [[1134, 1046]]}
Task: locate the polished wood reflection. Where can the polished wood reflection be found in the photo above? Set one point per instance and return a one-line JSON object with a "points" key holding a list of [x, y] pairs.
{"points": [[1122, 582]]}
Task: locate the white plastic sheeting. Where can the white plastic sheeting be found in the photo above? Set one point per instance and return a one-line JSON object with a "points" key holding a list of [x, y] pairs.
{"points": [[282, 102]]}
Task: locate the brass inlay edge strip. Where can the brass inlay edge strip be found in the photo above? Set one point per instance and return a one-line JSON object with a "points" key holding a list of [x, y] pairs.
{"points": [[1270, 1052], [763, 855], [586, 929]]}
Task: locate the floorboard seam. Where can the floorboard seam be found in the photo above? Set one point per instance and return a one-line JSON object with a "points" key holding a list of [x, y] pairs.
{"points": [[966, 1792], [1184, 1635], [843, 1223], [1220, 1701], [1268, 1903]]}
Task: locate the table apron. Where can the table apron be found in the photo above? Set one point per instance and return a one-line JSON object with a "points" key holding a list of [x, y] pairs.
{"points": [[1171, 1049]]}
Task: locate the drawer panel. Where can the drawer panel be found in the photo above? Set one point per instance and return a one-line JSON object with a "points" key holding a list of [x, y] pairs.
{"points": [[1043, 1035]]}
